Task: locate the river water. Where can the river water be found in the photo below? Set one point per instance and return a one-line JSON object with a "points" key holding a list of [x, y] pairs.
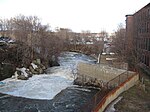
{"points": [[51, 92]]}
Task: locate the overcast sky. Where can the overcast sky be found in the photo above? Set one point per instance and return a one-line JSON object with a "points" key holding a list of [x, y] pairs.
{"points": [[78, 15]]}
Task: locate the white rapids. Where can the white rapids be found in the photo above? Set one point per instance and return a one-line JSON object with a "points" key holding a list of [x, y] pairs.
{"points": [[46, 86]]}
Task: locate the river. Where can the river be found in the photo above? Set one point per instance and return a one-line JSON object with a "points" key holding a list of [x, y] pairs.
{"points": [[51, 92]]}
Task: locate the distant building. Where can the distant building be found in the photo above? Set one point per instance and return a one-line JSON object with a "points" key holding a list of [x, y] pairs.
{"points": [[138, 35]]}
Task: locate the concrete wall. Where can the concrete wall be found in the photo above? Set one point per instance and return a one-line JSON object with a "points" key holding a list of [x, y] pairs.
{"points": [[99, 72], [112, 95]]}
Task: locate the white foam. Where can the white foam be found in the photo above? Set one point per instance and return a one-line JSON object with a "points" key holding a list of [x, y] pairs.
{"points": [[44, 86]]}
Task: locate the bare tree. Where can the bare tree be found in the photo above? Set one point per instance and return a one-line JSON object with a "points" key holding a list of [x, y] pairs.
{"points": [[119, 42], [126, 52], [4, 27], [34, 39]]}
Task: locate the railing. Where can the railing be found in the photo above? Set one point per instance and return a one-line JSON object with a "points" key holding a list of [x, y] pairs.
{"points": [[118, 80], [99, 96]]}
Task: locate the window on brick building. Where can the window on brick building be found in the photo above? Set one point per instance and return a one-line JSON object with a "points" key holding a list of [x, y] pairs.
{"points": [[138, 42], [149, 45], [146, 13], [144, 27], [143, 44], [147, 27], [149, 13], [147, 60], [143, 58], [146, 44]]}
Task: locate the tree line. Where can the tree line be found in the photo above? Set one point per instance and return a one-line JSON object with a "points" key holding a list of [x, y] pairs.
{"points": [[33, 39], [125, 51]]}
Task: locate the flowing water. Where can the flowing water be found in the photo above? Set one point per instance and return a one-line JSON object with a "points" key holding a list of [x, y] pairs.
{"points": [[54, 90]]}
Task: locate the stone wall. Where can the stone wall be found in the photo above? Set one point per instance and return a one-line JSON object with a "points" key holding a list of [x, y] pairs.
{"points": [[99, 72]]}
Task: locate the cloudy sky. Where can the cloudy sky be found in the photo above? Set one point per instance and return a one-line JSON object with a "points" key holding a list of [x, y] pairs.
{"points": [[78, 15]]}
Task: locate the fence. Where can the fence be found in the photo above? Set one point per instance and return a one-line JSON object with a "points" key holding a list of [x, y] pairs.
{"points": [[114, 93], [118, 80], [100, 96]]}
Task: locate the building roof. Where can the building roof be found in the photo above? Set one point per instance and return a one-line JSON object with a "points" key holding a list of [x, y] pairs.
{"points": [[148, 5]]}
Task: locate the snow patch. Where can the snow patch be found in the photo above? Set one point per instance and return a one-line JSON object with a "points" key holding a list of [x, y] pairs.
{"points": [[34, 66], [15, 75], [23, 71], [111, 108]]}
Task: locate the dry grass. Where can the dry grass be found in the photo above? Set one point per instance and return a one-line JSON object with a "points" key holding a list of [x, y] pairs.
{"points": [[137, 98], [103, 58]]}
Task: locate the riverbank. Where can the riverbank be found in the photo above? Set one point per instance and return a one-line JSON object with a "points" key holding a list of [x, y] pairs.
{"points": [[137, 98], [51, 92]]}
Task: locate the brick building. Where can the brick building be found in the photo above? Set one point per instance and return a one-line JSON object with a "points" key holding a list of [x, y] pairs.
{"points": [[138, 35]]}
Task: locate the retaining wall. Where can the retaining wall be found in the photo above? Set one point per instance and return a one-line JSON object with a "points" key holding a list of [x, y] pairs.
{"points": [[112, 95], [99, 72]]}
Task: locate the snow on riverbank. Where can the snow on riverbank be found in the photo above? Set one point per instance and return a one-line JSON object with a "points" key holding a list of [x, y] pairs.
{"points": [[46, 86], [111, 107]]}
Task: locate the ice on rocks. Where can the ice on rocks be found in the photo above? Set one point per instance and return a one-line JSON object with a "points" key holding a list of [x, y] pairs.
{"points": [[34, 66], [23, 71]]}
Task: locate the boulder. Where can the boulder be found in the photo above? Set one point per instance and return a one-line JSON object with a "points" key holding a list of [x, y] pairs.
{"points": [[29, 73], [22, 77], [39, 70], [22, 73], [53, 63], [32, 70], [78, 81], [36, 67], [18, 72], [82, 81], [6, 70], [43, 67]]}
